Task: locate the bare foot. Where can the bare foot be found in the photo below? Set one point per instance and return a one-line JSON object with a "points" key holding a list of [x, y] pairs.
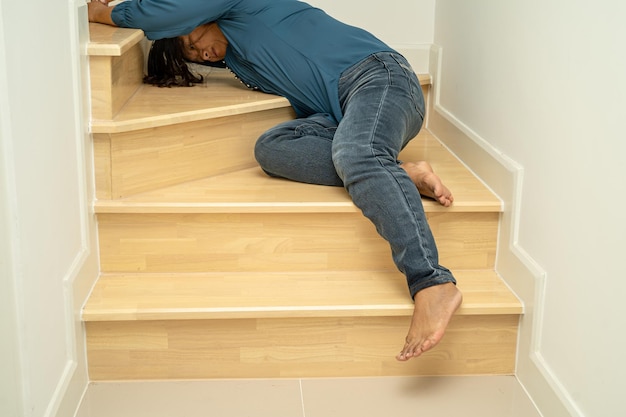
{"points": [[427, 182], [434, 307]]}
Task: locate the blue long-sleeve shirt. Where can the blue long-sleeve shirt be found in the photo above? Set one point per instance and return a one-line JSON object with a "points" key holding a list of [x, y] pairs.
{"points": [[284, 47]]}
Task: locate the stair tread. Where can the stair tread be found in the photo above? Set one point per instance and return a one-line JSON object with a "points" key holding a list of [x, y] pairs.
{"points": [[169, 296], [219, 95], [250, 190], [105, 40]]}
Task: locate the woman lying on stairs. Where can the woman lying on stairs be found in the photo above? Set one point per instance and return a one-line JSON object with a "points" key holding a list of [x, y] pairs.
{"points": [[358, 103]]}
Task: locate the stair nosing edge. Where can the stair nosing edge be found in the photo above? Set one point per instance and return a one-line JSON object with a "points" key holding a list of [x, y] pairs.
{"points": [[112, 126], [113, 207]]}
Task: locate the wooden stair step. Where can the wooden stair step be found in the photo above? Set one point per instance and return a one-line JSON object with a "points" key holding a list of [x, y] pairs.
{"points": [[294, 348], [127, 296], [251, 190], [220, 223], [105, 40], [331, 324], [220, 95], [254, 242], [116, 63], [128, 163]]}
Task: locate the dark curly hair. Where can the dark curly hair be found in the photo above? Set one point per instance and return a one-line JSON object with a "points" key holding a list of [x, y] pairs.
{"points": [[167, 66]]}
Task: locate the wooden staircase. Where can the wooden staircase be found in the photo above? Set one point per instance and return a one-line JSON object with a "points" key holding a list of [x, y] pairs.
{"points": [[211, 269]]}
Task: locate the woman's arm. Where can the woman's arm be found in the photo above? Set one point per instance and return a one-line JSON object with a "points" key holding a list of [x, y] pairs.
{"points": [[159, 18], [100, 12], [170, 18]]}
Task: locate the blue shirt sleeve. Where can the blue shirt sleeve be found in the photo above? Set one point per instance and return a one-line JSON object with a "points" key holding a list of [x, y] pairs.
{"points": [[168, 18]]}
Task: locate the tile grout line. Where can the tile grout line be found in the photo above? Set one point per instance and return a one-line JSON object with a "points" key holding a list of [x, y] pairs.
{"points": [[302, 398]]}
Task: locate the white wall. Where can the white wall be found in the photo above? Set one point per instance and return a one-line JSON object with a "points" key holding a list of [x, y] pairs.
{"points": [[397, 22], [535, 90], [406, 25], [47, 250]]}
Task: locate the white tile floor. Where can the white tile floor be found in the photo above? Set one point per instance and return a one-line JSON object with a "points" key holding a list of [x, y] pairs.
{"points": [[472, 396]]}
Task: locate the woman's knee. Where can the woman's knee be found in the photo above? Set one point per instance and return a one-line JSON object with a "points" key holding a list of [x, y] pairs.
{"points": [[263, 149], [353, 162]]}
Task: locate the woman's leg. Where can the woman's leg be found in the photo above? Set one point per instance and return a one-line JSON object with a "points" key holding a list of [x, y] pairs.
{"points": [[383, 109], [300, 150]]}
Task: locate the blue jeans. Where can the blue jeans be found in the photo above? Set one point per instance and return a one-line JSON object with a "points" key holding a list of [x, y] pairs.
{"points": [[383, 110]]}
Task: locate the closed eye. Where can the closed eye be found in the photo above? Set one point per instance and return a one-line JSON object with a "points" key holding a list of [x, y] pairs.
{"points": [[191, 53]]}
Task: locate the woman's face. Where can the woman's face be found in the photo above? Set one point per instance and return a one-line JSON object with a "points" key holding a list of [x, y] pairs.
{"points": [[205, 43]]}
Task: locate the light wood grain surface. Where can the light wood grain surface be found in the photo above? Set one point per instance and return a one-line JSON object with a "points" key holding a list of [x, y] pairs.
{"points": [[169, 296], [279, 242], [105, 40], [250, 190], [299, 347]]}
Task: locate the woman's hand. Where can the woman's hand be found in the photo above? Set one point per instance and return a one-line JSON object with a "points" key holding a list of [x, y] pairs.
{"points": [[100, 12]]}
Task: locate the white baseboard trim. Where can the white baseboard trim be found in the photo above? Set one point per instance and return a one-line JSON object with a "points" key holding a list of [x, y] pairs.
{"points": [[518, 269], [61, 388], [73, 383]]}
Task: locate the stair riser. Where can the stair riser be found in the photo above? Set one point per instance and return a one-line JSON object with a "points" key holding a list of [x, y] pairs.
{"points": [[148, 159], [277, 348], [279, 242], [113, 80]]}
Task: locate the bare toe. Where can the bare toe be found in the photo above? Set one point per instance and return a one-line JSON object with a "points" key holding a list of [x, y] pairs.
{"points": [[427, 182], [434, 307]]}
